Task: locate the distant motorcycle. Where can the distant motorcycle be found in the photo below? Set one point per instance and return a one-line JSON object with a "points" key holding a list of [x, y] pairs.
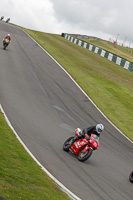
{"points": [[5, 43], [131, 177], [82, 148], [2, 18], [8, 19]]}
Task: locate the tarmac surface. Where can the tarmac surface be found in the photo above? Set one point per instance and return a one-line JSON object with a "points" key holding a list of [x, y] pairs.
{"points": [[44, 106]]}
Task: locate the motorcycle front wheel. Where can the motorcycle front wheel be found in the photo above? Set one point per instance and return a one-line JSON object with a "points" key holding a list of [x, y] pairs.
{"points": [[67, 144], [131, 177], [84, 155], [4, 46]]}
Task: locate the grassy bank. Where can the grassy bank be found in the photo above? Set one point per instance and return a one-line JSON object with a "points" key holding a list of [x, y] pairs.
{"points": [[107, 84], [20, 177], [110, 86], [124, 52]]}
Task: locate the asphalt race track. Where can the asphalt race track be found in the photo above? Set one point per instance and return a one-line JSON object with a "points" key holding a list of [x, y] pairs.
{"points": [[44, 106]]}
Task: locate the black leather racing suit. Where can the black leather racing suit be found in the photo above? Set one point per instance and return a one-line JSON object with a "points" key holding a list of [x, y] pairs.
{"points": [[90, 130]]}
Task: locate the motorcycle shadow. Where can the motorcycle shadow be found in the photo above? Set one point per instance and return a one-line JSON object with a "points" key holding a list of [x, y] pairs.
{"points": [[7, 49], [3, 48], [88, 161]]}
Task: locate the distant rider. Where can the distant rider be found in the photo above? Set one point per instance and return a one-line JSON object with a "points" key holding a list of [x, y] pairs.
{"points": [[7, 37], [2, 18], [8, 19], [87, 132]]}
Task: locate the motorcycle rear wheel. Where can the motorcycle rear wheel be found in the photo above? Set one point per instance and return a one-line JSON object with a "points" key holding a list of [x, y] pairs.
{"points": [[131, 177], [67, 144], [84, 155]]}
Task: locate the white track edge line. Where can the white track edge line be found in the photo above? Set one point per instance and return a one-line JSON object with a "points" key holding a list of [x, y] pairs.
{"points": [[64, 189], [49, 174], [79, 88]]}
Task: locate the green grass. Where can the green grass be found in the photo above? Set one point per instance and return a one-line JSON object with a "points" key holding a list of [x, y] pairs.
{"points": [[107, 84], [20, 177], [123, 52], [110, 86]]}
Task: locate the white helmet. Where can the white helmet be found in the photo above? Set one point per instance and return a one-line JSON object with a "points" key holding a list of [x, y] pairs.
{"points": [[8, 35], [99, 128], [78, 131]]}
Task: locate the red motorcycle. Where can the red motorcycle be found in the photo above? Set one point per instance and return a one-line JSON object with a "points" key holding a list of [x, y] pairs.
{"points": [[82, 148]]}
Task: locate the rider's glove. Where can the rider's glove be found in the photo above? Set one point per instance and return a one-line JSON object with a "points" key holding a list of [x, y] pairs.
{"points": [[87, 137]]}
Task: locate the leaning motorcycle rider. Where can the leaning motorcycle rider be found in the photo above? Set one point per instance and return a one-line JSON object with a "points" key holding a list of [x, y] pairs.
{"points": [[7, 37], [87, 132]]}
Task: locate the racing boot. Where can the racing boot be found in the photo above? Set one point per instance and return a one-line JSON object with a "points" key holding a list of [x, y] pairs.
{"points": [[73, 140]]}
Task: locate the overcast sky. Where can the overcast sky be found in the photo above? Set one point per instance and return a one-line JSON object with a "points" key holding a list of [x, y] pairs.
{"points": [[101, 18]]}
